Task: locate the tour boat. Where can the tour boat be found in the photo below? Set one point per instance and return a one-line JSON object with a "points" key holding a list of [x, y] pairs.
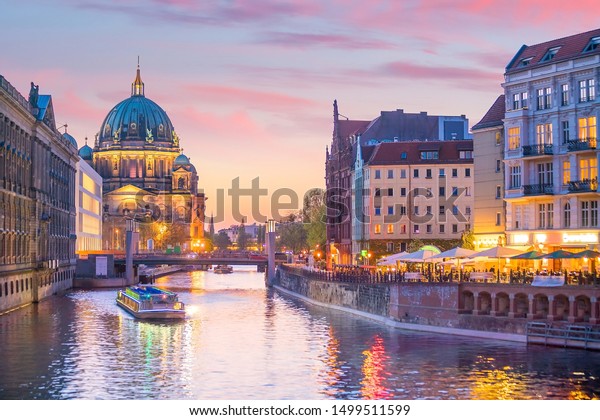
{"points": [[223, 269], [148, 302]]}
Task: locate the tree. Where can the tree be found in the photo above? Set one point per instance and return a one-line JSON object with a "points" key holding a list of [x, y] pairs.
{"points": [[467, 240], [164, 234], [415, 245], [242, 237], [292, 236], [314, 216], [222, 240], [314, 199], [261, 236]]}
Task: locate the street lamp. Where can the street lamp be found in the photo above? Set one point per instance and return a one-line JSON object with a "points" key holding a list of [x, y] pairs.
{"points": [[369, 258]]}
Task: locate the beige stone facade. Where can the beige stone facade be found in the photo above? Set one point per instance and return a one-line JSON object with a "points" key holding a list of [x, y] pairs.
{"points": [[489, 208], [414, 191]]}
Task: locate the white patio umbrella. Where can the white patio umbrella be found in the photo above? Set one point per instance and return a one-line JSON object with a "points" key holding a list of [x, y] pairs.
{"points": [[422, 255], [455, 254], [497, 252], [391, 259]]}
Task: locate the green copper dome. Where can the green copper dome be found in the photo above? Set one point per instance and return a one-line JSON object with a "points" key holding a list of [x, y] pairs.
{"points": [[137, 118]]}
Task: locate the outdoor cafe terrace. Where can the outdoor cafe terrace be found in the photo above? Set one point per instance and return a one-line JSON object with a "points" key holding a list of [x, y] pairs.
{"points": [[429, 265]]}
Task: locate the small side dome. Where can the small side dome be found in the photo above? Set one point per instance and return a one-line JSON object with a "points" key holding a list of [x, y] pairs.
{"points": [[86, 152], [181, 160], [70, 139]]}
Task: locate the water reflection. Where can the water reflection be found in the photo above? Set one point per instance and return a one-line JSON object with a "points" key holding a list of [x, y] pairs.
{"points": [[374, 371], [241, 341]]}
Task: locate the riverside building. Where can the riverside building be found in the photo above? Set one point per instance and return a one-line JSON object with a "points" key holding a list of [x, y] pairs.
{"points": [[37, 199], [411, 190], [489, 212], [341, 158], [550, 152]]}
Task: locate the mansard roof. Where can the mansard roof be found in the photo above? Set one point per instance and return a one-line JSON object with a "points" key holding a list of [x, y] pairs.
{"points": [[565, 49], [409, 152]]}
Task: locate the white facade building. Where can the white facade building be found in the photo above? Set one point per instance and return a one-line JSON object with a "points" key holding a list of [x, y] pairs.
{"points": [[551, 155], [88, 200]]}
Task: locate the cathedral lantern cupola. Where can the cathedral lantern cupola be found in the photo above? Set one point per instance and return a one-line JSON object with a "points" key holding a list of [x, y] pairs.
{"points": [[137, 87]]}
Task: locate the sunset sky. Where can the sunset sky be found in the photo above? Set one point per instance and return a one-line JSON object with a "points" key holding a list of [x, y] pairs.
{"points": [[249, 85]]}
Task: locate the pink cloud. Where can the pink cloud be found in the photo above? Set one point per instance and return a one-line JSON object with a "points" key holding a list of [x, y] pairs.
{"points": [[305, 40], [72, 105], [235, 128], [434, 72], [248, 98], [209, 13]]}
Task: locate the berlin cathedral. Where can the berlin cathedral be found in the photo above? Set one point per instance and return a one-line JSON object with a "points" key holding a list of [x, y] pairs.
{"points": [[145, 176]]}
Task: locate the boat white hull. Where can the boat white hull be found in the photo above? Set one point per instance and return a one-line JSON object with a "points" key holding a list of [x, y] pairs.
{"points": [[153, 313]]}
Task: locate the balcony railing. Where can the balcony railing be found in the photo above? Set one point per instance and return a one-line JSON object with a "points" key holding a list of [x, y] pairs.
{"points": [[581, 144], [583, 185], [538, 189], [537, 150]]}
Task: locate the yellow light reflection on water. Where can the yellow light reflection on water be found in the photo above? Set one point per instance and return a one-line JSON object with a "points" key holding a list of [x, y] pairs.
{"points": [[333, 369], [374, 372]]}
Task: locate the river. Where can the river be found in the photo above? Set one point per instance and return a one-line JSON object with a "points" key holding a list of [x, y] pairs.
{"points": [[243, 341]]}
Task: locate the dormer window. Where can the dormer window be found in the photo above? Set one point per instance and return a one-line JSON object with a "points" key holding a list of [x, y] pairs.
{"points": [[525, 62], [403, 155], [592, 45], [549, 54]]}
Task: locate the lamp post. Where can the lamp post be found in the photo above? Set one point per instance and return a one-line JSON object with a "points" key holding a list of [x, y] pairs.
{"points": [[270, 241]]}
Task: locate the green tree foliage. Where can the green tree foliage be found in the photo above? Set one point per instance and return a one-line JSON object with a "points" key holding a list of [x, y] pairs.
{"points": [[292, 237], [242, 237], [261, 236], [315, 218], [164, 234], [414, 245], [315, 229], [222, 240]]}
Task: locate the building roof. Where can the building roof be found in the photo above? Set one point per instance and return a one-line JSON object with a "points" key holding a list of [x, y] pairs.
{"points": [[568, 48], [137, 118], [409, 152], [70, 139], [181, 160], [494, 116], [397, 125], [347, 128], [86, 152]]}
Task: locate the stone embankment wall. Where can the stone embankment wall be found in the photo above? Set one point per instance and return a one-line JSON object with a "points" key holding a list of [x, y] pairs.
{"points": [[370, 298], [418, 306]]}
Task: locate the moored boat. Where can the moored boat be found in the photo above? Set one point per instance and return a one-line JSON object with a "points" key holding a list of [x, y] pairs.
{"points": [[148, 302], [223, 269]]}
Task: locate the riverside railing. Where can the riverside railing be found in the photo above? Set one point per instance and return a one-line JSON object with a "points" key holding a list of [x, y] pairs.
{"points": [[364, 276]]}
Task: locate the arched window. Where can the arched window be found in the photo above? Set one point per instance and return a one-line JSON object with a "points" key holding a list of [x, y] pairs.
{"points": [[180, 182], [567, 215]]}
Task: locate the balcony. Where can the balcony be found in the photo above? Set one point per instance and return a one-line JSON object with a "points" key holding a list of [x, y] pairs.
{"points": [[538, 189], [581, 144], [584, 185], [537, 150]]}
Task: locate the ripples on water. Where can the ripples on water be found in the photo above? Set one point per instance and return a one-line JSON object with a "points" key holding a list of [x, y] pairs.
{"points": [[241, 341]]}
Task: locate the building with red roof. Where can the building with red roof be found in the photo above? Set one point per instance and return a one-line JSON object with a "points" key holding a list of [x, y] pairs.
{"points": [[550, 151]]}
